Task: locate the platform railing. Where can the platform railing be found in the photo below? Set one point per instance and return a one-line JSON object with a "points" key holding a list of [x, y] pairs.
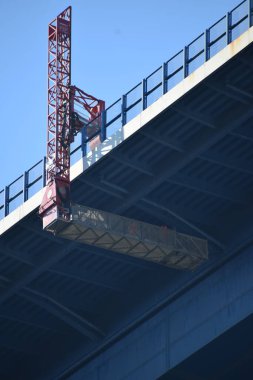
{"points": [[146, 92]]}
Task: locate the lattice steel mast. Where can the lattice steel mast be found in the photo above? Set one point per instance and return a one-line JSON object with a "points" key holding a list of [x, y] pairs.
{"points": [[63, 122]]}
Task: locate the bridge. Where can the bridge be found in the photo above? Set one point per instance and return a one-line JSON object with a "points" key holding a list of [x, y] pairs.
{"points": [[176, 151]]}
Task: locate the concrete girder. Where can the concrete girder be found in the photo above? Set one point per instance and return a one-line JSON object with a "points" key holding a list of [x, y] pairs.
{"points": [[23, 321], [35, 272], [190, 183], [230, 163], [189, 113], [230, 91], [96, 184], [206, 188], [79, 275], [72, 319], [88, 278], [224, 124], [167, 142], [132, 163]]}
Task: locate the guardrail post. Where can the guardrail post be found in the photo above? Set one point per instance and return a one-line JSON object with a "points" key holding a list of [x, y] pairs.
{"points": [[84, 141], [44, 171], [123, 109], [207, 44], [144, 94], [6, 200], [165, 85], [186, 64], [229, 30], [103, 126], [25, 186], [250, 13]]}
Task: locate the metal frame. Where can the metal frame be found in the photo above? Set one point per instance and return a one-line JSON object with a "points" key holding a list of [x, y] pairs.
{"points": [[63, 121], [58, 126], [59, 79]]}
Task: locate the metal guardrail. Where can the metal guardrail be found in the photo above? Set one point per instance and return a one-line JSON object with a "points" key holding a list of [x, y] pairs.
{"points": [[160, 81]]}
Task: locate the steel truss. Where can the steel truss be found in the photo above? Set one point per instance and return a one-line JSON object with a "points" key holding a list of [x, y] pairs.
{"points": [[63, 122]]}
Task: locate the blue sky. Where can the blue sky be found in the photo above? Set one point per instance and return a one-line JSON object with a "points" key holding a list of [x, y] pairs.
{"points": [[114, 45]]}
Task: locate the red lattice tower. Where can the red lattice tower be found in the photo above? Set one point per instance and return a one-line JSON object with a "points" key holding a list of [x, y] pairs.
{"points": [[59, 59], [63, 121], [56, 198]]}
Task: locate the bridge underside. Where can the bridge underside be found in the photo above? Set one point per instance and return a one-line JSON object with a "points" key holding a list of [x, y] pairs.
{"points": [[190, 168]]}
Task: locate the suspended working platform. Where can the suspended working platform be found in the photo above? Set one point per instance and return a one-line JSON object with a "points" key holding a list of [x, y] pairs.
{"points": [[132, 237]]}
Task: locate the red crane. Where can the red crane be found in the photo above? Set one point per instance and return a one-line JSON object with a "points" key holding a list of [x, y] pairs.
{"points": [[63, 122]]}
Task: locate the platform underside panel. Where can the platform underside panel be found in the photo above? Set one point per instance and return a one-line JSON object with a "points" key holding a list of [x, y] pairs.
{"points": [[131, 237]]}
